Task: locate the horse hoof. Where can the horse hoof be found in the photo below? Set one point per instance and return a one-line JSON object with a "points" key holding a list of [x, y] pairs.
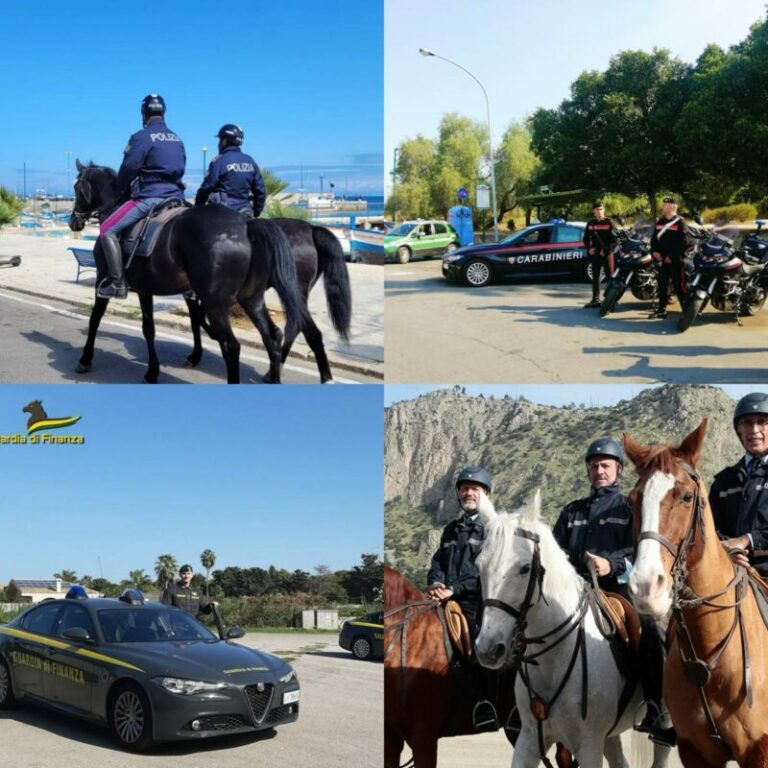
{"points": [[328, 381], [82, 368], [149, 380], [190, 362]]}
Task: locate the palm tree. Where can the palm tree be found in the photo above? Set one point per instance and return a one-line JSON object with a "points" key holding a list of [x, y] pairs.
{"points": [[274, 185], [68, 576], [207, 559], [10, 208], [165, 569], [140, 579]]}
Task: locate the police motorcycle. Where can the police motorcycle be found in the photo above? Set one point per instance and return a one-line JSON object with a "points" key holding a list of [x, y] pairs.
{"points": [[732, 276]]}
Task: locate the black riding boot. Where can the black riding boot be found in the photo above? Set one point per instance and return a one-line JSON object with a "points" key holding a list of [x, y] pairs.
{"points": [[116, 289]]}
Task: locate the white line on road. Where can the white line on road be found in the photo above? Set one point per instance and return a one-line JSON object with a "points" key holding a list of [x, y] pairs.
{"points": [[208, 345]]}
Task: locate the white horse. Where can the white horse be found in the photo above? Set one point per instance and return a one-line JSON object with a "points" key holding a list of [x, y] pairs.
{"points": [[526, 576]]}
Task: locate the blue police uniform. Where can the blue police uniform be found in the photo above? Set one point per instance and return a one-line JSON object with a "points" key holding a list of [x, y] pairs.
{"points": [[234, 180]]}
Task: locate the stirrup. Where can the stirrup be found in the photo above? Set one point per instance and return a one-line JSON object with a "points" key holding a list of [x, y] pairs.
{"points": [[517, 726], [484, 716], [651, 716], [111, 291]]}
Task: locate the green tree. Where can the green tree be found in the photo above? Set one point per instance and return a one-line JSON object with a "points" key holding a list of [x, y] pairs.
{"points": [[207, 560], [69, 576], [366, 581], [139, 579], [516, 164], [165, 570], [10, 206]]}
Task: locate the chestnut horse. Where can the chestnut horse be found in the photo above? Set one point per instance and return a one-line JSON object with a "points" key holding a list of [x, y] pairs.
{"points": [[716, 673]]}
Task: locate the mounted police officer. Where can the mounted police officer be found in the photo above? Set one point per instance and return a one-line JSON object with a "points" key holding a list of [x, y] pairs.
{"points": [[183, 595], [596, 534], [739, 494], [233, 178], [453, 575], [600, 238], [151, 172], [668, 244]]}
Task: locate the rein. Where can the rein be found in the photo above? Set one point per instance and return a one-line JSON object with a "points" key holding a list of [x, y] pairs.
{"points": [[696, 669]]}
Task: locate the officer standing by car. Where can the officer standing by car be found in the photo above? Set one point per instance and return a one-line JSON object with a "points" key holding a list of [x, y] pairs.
{"points": [[233, 178], [600, 238], [668, 244], [453, 574], [151, 172], [596, 534], [739, 494], [183, 595]]}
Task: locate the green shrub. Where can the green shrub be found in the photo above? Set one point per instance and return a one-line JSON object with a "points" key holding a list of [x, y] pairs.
{"points": [[10, 206], [738, 212]]}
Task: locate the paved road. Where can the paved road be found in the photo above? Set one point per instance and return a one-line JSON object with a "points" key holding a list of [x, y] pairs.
{"points": [[538, 333], [41, 342], [339, 725]]}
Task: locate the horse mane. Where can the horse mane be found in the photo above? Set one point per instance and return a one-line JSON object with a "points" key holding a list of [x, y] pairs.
{"points": [[111, 172], [660, 458], [398, 590]]}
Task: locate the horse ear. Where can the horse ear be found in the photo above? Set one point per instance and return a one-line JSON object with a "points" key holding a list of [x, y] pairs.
{"points": [[486, 509], [690, 448], [531, 512], [636, 453], [78, 165]]}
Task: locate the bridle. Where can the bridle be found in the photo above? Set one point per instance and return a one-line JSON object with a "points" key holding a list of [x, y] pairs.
{"points": [[697, 670], [98, 212]]}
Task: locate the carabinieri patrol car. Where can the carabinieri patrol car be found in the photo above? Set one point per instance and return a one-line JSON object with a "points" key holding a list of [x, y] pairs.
{"points": [[554, 248], [148, 671], [364, 636]]}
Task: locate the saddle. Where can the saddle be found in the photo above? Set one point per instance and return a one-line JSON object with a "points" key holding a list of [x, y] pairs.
{"points": [[140, 239], [616, 616], [458, 629]]}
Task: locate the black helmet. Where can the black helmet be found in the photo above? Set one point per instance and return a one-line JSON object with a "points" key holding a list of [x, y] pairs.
{"points": [[152, 106], [754, 402], [605, 446], [231, 134], [475, 475]]}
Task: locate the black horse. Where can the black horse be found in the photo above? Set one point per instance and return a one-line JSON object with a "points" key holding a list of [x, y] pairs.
{"points": [[210, 250], [316, 252]]}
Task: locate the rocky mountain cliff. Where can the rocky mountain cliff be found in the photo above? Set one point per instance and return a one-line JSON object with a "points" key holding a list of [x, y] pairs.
{"points": [[524, 445]]}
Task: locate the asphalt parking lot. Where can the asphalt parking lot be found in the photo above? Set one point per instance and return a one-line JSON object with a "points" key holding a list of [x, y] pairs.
{"points": [[537, 332], [340, 722]]}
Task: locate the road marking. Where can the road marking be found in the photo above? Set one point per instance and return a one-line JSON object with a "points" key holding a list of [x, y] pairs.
{"points": [[209, 345]]}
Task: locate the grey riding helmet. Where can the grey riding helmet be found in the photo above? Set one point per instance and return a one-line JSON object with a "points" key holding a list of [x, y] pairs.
{"points": [[475, 475], [754, 402], [605, 446]]}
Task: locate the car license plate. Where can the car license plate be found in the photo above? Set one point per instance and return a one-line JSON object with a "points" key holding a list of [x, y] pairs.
{"points": [[290, 696]]}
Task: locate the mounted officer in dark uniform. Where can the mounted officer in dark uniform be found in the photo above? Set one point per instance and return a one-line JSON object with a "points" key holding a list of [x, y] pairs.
{"points": [[233, 178], [739, 494], [596, 534], [668, 244], [600, 238], [151, 172], [453, 575], [183, 595]]}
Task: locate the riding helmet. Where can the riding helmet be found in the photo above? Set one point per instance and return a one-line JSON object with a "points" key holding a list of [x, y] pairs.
{"points": [[475, 475], [605, 446], [232, 134], [152, 106], [754, 402]]}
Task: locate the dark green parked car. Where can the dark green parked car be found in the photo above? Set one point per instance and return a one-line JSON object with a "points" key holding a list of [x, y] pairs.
{"points": [[422, 238], [364, 636]]}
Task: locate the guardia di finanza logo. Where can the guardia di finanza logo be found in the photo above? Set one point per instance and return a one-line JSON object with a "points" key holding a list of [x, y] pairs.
{"points": [[39, 424]]}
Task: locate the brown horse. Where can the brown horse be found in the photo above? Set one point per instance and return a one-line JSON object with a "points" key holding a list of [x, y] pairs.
{"points": [[716, 674], [425, 699]]}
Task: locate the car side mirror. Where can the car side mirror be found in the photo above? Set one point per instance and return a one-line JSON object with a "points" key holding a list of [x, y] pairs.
{"points": [[78, 635], [234, 633]]}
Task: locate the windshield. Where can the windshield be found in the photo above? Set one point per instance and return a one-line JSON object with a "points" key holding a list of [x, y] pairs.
{"points": [[403, 229], [151, 625]]}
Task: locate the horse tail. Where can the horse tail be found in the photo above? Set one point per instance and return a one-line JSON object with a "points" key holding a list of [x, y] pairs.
{"points": [[338, 292], [272, 241]]}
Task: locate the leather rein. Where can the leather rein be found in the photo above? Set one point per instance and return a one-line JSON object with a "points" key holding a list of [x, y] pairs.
{"points": [[698, 670]]}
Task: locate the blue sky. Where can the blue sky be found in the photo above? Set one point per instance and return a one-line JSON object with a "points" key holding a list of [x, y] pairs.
{"points": [[526, 54], [288, 476], [302, 78]]}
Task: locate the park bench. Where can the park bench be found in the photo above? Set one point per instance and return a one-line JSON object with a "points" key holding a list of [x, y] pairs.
{"points": [[85, 260]]}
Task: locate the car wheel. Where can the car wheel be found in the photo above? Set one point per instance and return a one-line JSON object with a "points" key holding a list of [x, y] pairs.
{"points": [[131, 717], [477, 273], [7, 699], [586, 271], [403, 254], [361, 648]]}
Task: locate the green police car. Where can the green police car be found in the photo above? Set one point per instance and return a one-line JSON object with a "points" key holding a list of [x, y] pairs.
{"points": [[364, 636], [424, 238]]}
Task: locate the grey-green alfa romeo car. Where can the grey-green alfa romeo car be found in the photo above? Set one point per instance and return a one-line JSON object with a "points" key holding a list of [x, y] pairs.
{"points": [[148, 671]]}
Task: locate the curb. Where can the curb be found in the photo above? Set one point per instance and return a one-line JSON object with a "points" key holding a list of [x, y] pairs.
{"points": [[299, 350]]}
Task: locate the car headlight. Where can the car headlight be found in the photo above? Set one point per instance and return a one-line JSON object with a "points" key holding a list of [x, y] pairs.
{"points": [[188, 687], [451, 257], [289, 678]]}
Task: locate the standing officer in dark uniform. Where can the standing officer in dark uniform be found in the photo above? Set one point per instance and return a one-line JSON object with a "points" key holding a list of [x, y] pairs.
{"points": [[596, 534], [453, 574], [151, 171], [739, 494], [233, 178], [668, 244], [600, 238], [182, 595]]}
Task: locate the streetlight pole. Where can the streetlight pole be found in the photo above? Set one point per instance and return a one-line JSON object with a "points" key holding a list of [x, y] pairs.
{"points": [[205, 150], [67, 153], [427, 52], [396, 156]]}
